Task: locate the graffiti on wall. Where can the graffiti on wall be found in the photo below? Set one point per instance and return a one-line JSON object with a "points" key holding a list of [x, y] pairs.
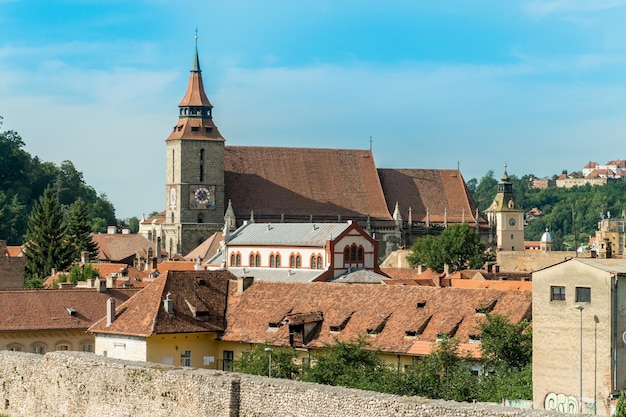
{"points": [[561, 403]]}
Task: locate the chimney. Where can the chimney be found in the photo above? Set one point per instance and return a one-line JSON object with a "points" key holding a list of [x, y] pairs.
{"points": [[420, 269], [110, 311], [154, 262], [168, 304], [126, 231], [102, 286], [84, 257], [111, 230], [446, 269], [243, 283], [111, 282]]}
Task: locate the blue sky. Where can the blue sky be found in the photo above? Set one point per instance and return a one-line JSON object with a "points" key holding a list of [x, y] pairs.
{"points": [[540, 85]]}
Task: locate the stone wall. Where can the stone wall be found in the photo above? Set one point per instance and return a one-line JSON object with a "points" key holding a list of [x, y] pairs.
{"points": [[80, 384]]}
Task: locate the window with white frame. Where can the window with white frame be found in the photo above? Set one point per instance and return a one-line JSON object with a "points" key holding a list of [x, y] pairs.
{"points": [[185, 358]]}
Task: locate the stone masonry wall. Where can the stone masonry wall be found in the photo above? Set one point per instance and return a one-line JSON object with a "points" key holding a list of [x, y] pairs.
{"points": [[80, 384]]}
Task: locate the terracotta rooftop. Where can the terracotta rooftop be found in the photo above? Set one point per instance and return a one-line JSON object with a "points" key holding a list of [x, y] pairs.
{"points": [[207, 249], [435, 190], [199, 303], [397, 317], [122, 247], [299, 182], [55, 309], [14, 251]]}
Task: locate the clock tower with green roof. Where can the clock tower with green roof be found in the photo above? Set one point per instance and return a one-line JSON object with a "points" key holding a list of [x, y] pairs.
{"points": [[506, 217]]}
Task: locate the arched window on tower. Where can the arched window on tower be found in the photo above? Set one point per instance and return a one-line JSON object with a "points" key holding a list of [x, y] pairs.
{"points": [[202, 165], [200, 218]]}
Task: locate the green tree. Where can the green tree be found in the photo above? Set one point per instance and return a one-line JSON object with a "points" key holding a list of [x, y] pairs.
{"points": [[256, 362], [78, 230], [620, 408], [506, 342], [442, 374], [46, 247], [81, 273], [349, 364], [458, 246]]}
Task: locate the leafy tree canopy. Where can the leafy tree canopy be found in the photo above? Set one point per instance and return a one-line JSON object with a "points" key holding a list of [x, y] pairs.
{"points": [[24, 178], [458, 246]]}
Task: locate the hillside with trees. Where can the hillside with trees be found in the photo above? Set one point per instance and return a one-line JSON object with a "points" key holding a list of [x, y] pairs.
{"points": [[570, 214], [23, 179]]}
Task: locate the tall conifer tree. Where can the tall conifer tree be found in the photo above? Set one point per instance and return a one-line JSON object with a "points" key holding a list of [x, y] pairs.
{"points": [[79, 230], [46, 243]]}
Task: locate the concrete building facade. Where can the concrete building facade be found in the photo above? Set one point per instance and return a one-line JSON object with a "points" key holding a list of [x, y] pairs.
{"points": [[579, 338]]}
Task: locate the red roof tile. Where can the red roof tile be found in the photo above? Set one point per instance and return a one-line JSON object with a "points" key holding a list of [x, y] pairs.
{"points": [[47, 309], [249, 314], [435, 190], [199, 303], [299, 182]]}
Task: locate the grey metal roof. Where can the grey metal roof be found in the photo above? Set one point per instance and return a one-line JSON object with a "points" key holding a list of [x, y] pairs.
{"points": [[286, 234], [362, 276], [612, 265], [277, 274]]}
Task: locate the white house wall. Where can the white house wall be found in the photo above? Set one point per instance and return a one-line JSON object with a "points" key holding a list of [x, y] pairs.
{"points": [[121, 347]]}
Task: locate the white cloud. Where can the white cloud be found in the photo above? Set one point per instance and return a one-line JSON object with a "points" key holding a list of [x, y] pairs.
{"points": [[542, 9]]}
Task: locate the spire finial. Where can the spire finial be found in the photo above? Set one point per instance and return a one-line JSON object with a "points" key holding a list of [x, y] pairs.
{"points": [[196, 61]]}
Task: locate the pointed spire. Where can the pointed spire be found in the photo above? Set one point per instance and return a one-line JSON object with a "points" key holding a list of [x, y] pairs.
{"points": [[229, 217], [195, 111]]}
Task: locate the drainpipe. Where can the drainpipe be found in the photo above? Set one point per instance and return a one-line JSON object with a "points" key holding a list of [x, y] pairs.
{"points": [[614, 325]]}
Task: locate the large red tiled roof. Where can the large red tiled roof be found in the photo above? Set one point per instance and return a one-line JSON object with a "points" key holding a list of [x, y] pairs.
{"points": [[144, 314], [435, 190], [407, 309], [22, 310], [299, 182]]}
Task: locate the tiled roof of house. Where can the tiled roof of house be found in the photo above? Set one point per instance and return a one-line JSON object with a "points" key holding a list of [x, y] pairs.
{"points": [[401, 316], [55, 309], [286, 234], [439, 191], [123, 271], [155, 219], [300, 182], [207, 249], [119, 247], [199, 303], [14, 251]]}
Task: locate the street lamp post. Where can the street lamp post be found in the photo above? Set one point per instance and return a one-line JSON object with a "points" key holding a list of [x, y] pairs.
{"points": [[580, 307], [270, 350]]}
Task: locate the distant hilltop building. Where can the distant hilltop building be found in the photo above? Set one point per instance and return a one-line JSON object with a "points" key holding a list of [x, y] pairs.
{"points": [[592, 173], [209, 184]]}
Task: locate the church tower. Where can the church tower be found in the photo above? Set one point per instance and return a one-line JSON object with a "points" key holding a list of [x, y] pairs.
{"points": [[506, 217], [194, 189]]}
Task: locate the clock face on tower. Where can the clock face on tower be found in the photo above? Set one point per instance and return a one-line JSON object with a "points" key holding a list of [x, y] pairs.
{"points": [[512, 221], [202, 197]]}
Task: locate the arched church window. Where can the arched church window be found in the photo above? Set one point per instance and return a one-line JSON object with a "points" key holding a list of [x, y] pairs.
{"points": [[359, 256], [319, 262], [202, 165], [278, 260], [272, 261]]}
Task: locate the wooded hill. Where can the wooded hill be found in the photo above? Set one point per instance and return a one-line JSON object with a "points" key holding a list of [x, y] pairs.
{"points": [[571, 214]]}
